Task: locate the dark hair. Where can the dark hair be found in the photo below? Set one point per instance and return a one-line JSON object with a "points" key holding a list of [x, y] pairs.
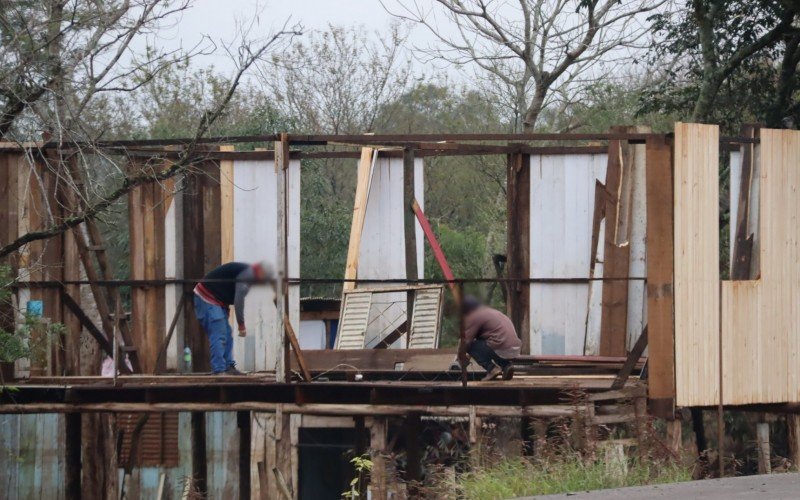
{"points": [[469, 304]]}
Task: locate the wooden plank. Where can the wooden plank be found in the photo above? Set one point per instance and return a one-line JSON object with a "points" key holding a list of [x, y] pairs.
{"points": [[518, 244], [364, 178], [696, 275], [616, 248], [660, 265], [226, 186]]}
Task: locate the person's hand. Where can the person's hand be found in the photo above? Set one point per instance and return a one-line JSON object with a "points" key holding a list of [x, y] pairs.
{"points": [[242, 331]]}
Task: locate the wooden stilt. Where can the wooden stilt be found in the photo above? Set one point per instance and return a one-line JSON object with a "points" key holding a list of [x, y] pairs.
{"points": [[199, 460], [674, 439], [72, 452], [378, 481], [762, 438], [244, 423], [793, 431]]}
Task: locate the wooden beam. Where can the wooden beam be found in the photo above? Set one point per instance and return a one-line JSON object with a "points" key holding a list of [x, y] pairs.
{"points": [[616, 248], [363, 182], [435, 247], [199, 457], [282, 368], [518, 244], [630, 362], [244, 424], [87, 323], [660, 265], [72, 455], [378, 479], [393, 337], [298, 353]]}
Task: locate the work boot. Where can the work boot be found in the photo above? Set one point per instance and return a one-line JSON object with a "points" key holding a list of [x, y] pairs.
{"points": [[508, 372], [233, 371], [492, 374]]}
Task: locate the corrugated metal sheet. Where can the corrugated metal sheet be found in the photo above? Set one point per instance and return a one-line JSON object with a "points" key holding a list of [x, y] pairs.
{"points": [[355, 313], [425, 318], [158, 441]]}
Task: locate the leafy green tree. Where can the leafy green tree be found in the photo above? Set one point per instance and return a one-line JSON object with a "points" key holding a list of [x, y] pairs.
{"points": [[728, 62]]}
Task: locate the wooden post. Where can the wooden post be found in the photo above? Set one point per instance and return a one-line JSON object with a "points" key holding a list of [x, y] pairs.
{"points": [[413, 436], [244, 423], [410, 232], [378, 477], [660, 265], [793, 431], [674, 439], [518, 244], [72, 455], [617, 248], [199, 458], [146, 219], [282, 368], [10, 171], [762, 438]]}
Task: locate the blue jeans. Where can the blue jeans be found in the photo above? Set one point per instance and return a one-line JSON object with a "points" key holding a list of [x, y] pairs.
{"points": [[214, 320], [485, 355]]}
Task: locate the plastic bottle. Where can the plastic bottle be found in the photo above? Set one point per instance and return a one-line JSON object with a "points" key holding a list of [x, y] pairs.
{"points": [[187, 360]]}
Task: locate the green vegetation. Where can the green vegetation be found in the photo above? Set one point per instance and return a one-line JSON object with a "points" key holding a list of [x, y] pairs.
{"points": [[514, 477]]}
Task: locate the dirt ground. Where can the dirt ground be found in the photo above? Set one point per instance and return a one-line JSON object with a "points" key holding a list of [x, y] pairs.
{"points": [[774, 486]]}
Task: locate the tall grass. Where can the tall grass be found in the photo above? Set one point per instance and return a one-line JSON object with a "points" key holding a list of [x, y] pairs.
{"points": [[515, 477]]}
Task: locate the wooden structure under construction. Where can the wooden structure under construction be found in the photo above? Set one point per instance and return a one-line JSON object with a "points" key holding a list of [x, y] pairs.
{"points": [[612, 264]]}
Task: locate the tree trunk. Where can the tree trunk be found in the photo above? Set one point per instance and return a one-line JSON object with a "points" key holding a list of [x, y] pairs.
{"points": [[535, 109], [787, 85]]}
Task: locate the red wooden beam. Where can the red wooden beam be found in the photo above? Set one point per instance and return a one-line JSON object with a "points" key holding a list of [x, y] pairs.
{"points": [[437, 250]]}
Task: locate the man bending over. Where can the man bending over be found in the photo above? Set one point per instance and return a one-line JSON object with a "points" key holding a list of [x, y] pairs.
{"points": [[212, 300], [490, 338]]}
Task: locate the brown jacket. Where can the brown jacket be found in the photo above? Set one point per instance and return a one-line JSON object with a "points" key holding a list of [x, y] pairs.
{"points": [[495, 328]]}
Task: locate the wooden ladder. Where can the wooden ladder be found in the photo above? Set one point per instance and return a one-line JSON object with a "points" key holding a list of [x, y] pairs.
{"points": [[92, 251]]}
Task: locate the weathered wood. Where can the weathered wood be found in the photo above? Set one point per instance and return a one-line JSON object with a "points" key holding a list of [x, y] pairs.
{"points": [[244, 424], [660, 265], [762, 440], [87, 323], [199, 457], [742, 251], [364, 178], [72, 458], [410, 234], [282, 367], [396, 334], [162, 351], [793, 435], [616, 248], [630, 362], [378, 480], [413, 441], [298, 353], [674, 440], [518, 244]]}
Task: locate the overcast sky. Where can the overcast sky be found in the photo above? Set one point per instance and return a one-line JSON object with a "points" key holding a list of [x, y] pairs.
{"points": [[218, 19]]}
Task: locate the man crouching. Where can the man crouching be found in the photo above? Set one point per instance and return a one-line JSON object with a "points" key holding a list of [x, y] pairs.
{"points": [[489, 338]]}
